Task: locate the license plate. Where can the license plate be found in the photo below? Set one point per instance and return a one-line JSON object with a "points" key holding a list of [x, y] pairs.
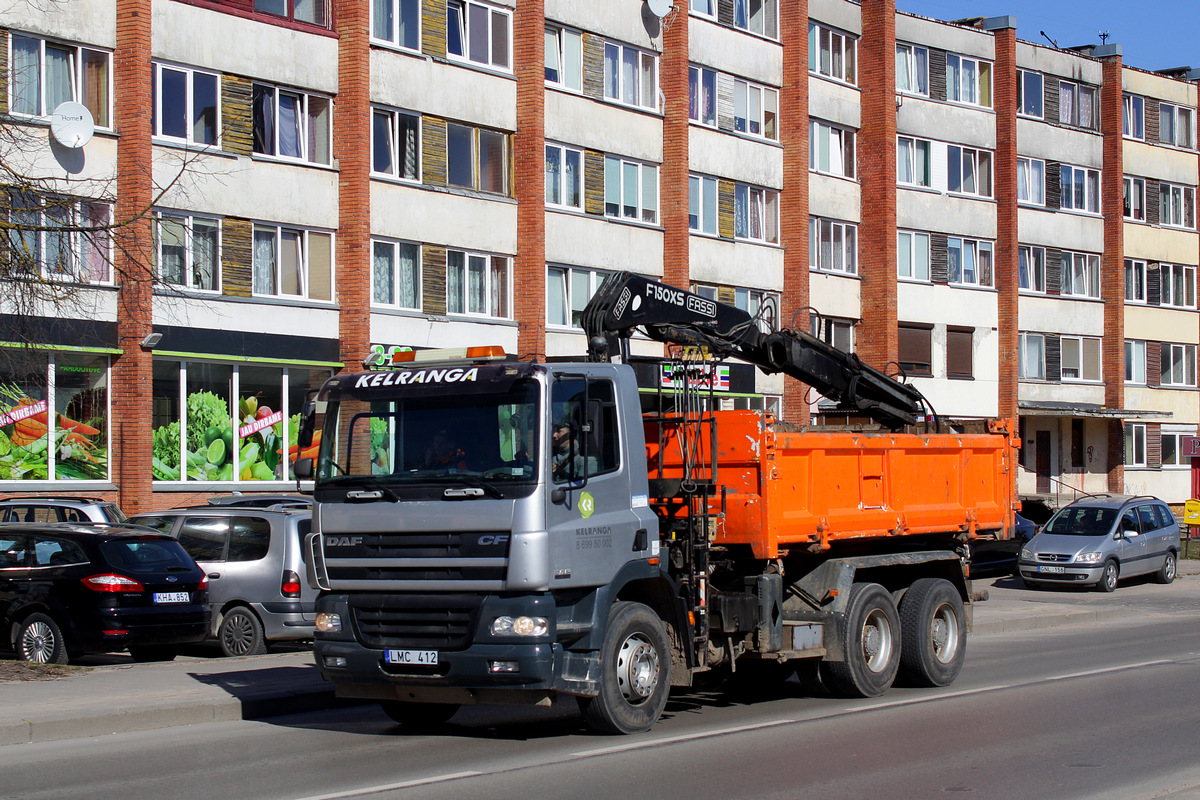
{"points": [[171, 597], [423, 657], [1053, 570]]}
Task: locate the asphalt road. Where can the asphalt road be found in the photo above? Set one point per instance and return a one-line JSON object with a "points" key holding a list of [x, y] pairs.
{"points": [[1104, 711]]}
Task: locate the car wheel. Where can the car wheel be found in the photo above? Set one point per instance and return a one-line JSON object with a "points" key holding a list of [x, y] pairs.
{"points": [[1166, 573], [635, 670], [154, 652], [870, 635], [419, 715], [40, 641], [1108, 578], [933, 633], [241, 634]]}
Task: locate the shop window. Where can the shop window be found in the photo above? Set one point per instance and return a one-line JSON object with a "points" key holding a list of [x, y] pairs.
{"points": [[23, 422]]}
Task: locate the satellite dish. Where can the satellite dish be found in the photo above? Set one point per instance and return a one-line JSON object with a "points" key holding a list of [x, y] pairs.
{"points": [[659, 8], [71, 124]]}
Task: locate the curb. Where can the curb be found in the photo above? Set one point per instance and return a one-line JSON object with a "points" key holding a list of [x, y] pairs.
{"points": [[1038, 621]]}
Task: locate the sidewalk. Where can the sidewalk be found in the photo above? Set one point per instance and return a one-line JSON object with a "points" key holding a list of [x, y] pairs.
{"points": [[137, 697]]}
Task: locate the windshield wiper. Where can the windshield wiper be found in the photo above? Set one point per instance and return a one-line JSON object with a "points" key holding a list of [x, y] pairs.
{"points": [[377, 490], [473, 481]]}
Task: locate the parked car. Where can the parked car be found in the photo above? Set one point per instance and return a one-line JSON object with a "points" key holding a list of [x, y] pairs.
{"points": [[59, 509], [1000, 555], [1100, 539], [254, 559], [68, 589], [262, 500]]}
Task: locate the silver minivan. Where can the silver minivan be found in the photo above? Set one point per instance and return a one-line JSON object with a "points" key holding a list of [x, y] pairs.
{"points": [[1098, 540], [254, 560]]}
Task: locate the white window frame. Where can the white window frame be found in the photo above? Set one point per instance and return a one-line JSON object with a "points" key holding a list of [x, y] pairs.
{"points": [[701, 79], [833, 330], [755, 110], [1080, 359], [638, 89], [571, 281], [760, 205], [1135, 362], [703, 204], [1135, 440], [1135, 281], [824, 141], [703, 8], [1031, 269], [188, 223], [976, 265], [87, 249], [559, 188], [303, 237], [568, 58], [617, 174], [1090, 203], [305, 103], [389, 117], [965, 163], [1178, 365], [910, 153], [832, 246], [460, 16], [77, 77], [1031, 357], [832, 53], [973, 84], [764, 23], [916, 244], [398, 14], [1080, 275], [191, 75], [1133, 191], [395, 245], [1073, 110], [1031, 181], [476, 150], [1133, 117], [1177, 202], [1182, 126], [912, 69], [1025, 108], [496, 301], [1179, 460], [1178, 285]]}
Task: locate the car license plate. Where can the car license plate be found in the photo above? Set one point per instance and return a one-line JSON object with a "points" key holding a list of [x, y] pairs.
{"points": [[423, 657], [1053, 570], [171, 597]]}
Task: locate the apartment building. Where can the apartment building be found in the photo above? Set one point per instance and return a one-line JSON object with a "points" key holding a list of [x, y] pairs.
{"points": [[1009, 225]]}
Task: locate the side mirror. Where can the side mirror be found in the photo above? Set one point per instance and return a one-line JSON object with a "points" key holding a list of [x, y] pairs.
{"points": [[558, 496], [303, 469]]}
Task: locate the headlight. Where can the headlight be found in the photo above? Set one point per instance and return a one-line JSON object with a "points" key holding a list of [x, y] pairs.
{"points": [[1026, 554], [1088, 558], [329, 623], [520, 626]]}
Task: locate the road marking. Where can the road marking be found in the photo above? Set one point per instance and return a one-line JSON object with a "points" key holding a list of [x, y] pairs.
{"points": [[639, 745], [387, 787]]}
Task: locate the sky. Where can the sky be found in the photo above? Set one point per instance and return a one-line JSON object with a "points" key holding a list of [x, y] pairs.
{"points": [[1153, 34]]}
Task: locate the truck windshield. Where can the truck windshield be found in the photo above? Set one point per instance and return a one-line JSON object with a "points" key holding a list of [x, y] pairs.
{"points": [[1082, 521], [442, 438]]}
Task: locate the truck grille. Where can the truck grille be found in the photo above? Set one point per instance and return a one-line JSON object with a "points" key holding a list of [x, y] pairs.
{"points": [[419, 622], [398, 561]]}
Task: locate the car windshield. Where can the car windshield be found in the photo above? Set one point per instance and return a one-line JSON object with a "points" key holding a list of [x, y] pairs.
{"points": [[145, 556], [112, 513], [1082, 521]]}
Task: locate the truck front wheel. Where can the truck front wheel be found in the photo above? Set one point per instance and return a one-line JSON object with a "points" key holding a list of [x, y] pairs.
{"points": [[870, 635], [635, 665], [933, 633]]}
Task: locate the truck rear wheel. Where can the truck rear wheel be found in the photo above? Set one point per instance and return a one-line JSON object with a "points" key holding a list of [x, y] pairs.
{"points": [[870, 634], [933, 633], [635, 669]]}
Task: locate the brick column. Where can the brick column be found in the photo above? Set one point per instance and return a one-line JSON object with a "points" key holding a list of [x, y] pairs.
{"points": [[793, 202], [133, 260], [673, 189], [877, 337], [1006, 258], [1112, 264], [352, 149], [529, 285]]}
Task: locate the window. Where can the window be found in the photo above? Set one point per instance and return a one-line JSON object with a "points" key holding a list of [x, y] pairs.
{"points": [[755, 213], [564, 58], [1175, 125], [968, 80], [969, 261], [1135, 362], [830, 149], [1080, 358], [397, 22], [477, 158], [44, 74], [1135, 444], [913, 163], [755, 109], [314, 11], [1177, 205], [1031, 364], [1080, 188], [479, 33], [1135, 198], [969, 171], [478, 284], [1031, 268], [702, 204], [1080, 275], [912, 69], [702, 96], [831, 52], [186, 105], [396, 144], [564, 177], [568, 290], [291, 124], [1135, 281], [1178, 364], [1029, 93], [1178, 283], [395, 274], [757, 16], [595, 452], [912, 256], [706, 7], [630, 75], [1031, 181], [60, 238], [189, 251], [959, 352], [755, 302], [832, 246], [1077, 105], [915, 349], [832, 331], [630, 190], [293, 262], [1133, 118], [1172, 456]]}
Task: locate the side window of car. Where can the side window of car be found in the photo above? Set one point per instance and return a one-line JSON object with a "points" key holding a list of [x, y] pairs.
{"points": [[50, 552], [204, 537], [161, 523], [12, 551], [1129, 521], [1164, 515], [1149, 518], [249, 538], [72, 515], [303, 529], [32, 514]]}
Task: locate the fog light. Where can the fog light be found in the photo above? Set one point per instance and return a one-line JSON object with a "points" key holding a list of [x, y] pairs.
{"points": [[329, 623], [502, 666], [335, 661], [520, 626]]}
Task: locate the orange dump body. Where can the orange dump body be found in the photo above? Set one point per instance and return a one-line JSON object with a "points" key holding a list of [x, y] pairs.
{"points": [[791, 490]]}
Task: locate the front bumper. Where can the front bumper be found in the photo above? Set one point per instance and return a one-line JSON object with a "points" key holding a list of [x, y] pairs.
{"points": [[1081, 574]]}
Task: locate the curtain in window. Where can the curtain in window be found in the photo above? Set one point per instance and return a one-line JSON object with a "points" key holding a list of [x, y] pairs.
{"points": [[26, 95], [922, 57], [172, 248], [756, 212], [649, 194], [459, 146], [264, 120], [710, 204], [204, 108], [381, 141], [904, 161], [741, 211], [612, 54], [553, 175], [629, 190], [629, 75], [612, 186], [493, 167], [500, 39], [553, 67], [382, 272], [310, 11], [739, 106], [477, 33], [59, 253], [407, 137], [264, 261], [499, 284], [573, 172], [410, 15], [455, 266], [94, 258], [408, 277], [95, 85], [648, 82], [477, 284], [60, 76], [954, 253], [382, 21], [318, 130], [291, 263], [556, 296], [289, 125], [204, 255], [741, 17], [581, 292]]}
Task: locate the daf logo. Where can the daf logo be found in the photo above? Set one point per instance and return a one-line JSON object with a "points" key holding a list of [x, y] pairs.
{"points": [[490, 540], [343, 541]]}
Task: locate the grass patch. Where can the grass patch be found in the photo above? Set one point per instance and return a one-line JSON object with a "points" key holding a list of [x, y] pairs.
{"points": [[13, 671]]}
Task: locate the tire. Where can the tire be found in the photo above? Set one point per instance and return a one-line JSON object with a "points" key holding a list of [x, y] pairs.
{"points": [[154, 652], [933, 633], [39, 640], [241, 634], [870, 635], [1166, 573], [1109, 577], [420, 716], [635, 670]]}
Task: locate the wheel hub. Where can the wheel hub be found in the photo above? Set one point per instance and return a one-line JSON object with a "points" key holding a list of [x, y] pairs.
{"points": [[638, 669]]}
